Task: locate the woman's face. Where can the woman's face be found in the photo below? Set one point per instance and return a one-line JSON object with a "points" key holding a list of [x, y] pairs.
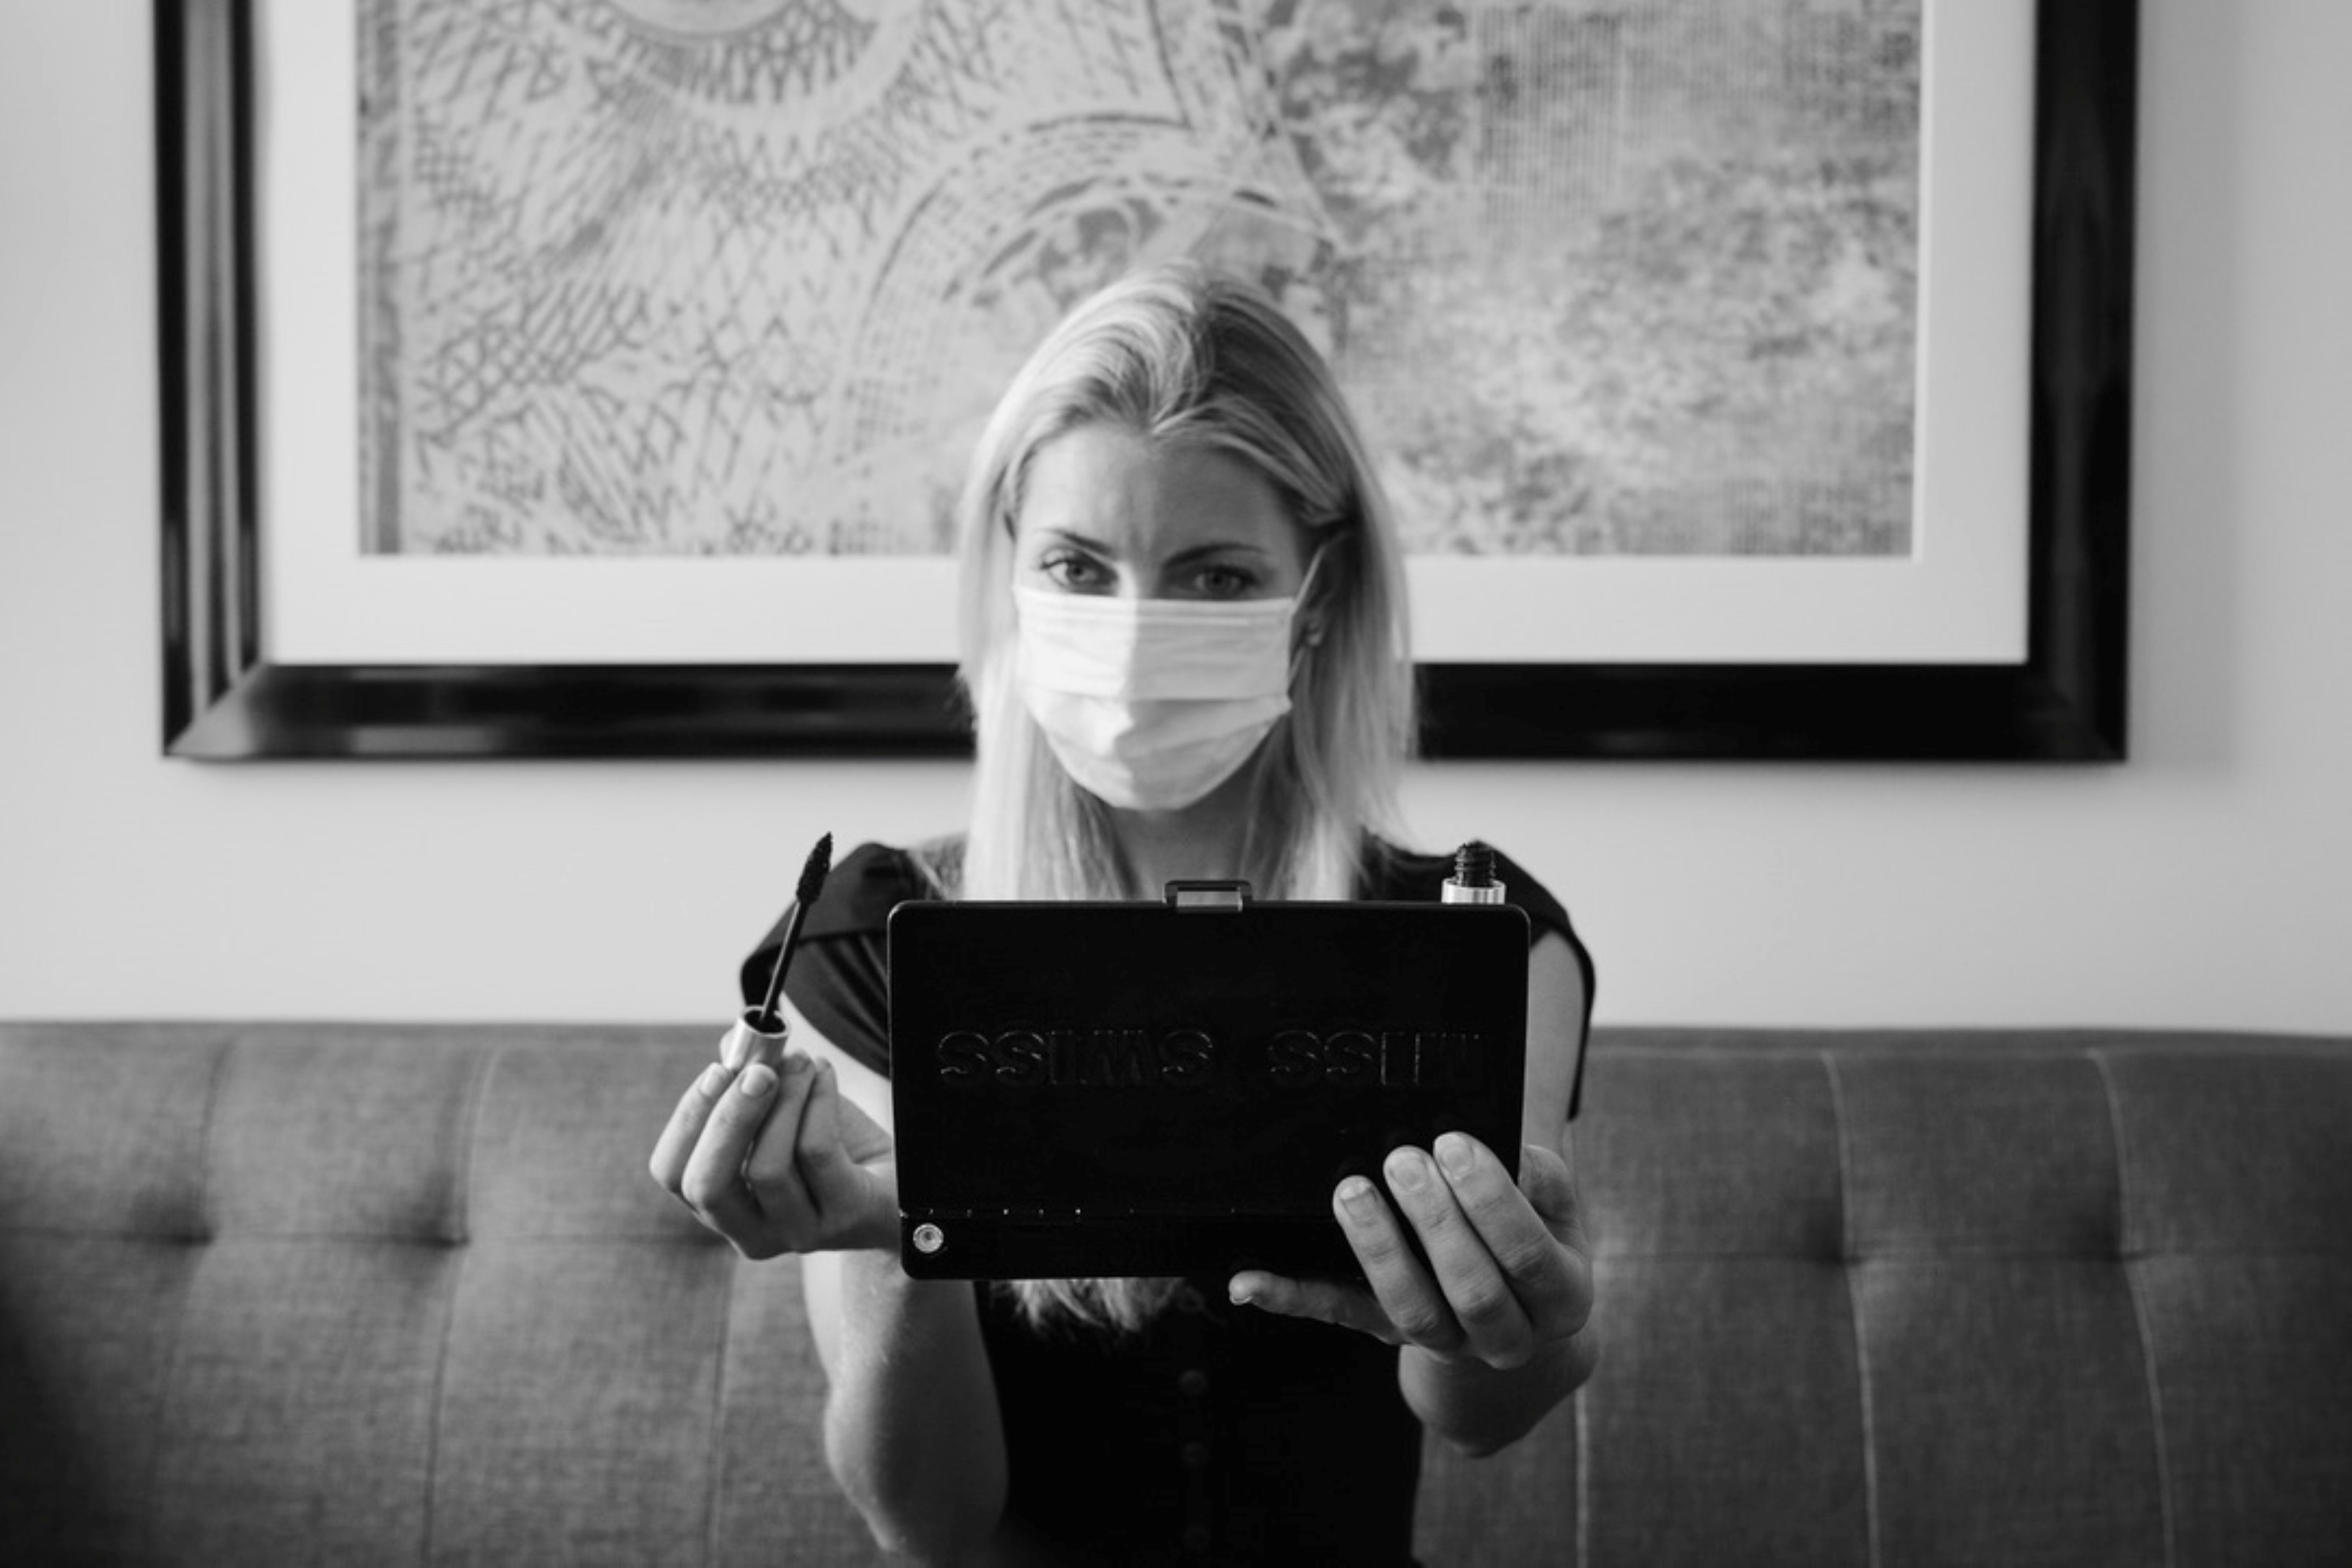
{"points": [[1105, 513]]}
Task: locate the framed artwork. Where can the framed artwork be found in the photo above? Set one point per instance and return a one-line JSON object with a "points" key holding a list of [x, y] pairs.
{"points": [[1751, 379]]}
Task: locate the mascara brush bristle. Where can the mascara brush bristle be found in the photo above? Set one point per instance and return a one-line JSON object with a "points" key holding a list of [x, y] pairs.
{"points": [[812, 875]]}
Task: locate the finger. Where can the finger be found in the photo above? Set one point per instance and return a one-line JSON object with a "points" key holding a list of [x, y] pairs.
{"points": [[677, 1141], [1474, 1285], [1322, 1300], [769, 1170], [1544, 1177], [836, 1183], [714, 1172], [1539, 1269], [1399, 1282]]}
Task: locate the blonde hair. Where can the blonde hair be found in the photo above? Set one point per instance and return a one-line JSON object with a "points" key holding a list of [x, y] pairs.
{"points": [[1185, 359]]}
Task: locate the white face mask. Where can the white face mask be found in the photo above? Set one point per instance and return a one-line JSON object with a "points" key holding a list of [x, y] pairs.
{"points": [[1151, 703]]}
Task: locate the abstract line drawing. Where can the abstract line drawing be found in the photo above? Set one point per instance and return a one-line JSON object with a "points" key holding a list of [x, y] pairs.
{"points": [[744, 277]]}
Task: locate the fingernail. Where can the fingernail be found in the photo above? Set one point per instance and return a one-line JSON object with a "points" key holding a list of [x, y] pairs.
{"points": [[713, 1079], [1408, 1170], [1239, 1294], [796, 1063], [757, 1081], [1356, 1196], [1454, 1155]]}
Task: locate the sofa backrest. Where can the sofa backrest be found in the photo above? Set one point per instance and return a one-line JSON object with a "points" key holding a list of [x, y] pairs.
{"points": [[406, 1293], [352, 1295], [1952, 1297]]}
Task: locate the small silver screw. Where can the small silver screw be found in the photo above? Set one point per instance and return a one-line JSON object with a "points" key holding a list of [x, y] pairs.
{"points": [[929, 1239]]}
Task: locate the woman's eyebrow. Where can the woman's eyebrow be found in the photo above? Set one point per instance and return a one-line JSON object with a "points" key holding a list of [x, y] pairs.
{"points": [[1189, 552], [1219, 547], [1067, 536]]}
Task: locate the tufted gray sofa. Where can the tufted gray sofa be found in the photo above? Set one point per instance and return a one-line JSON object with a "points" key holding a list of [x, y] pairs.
{"points": [[354, 1294]]}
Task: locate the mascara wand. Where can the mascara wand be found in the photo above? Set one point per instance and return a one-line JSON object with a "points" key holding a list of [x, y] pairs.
{"points": [[820, 862]]}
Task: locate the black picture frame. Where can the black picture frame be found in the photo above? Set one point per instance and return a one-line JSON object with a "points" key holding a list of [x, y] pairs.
{"points": [[225, 698]]}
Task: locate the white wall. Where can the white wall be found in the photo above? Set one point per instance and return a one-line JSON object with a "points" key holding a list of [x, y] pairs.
{"points": [[2203, 883]]}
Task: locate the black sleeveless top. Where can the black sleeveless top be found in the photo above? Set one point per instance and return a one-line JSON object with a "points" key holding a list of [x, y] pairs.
{"points": [[1219, 1433]]}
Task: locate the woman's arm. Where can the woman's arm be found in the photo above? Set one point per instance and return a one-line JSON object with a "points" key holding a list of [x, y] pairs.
{"points": [[792, 1152], [1494, 1327], [1476, 1408], [911, 1428]]}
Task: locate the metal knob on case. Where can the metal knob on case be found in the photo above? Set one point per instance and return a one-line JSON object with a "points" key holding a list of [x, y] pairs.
{"points": [[1472, 881]]}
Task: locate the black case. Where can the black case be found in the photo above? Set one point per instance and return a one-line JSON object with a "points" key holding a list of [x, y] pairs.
{"points": [[1097, 1089]]}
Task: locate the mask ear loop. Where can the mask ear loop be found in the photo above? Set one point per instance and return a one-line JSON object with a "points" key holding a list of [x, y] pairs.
{"points": [[1314, 634]]}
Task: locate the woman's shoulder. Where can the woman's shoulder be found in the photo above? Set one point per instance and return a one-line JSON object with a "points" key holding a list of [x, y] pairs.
{"points": [[839, 976], [845, 926], [1411, 876], [1392, 871], [872, 879]]}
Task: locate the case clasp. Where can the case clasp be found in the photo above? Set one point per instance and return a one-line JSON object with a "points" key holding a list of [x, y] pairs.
{"points": [[1228, 897]]}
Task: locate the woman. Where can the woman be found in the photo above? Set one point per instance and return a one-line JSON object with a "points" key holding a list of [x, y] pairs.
{"points": [[1185, 651]]}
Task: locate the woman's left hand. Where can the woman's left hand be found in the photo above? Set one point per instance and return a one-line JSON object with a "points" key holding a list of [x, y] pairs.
{"points": [[1508, 1277]]}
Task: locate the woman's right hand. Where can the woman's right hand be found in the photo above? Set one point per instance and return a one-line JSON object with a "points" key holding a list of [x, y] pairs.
{"points": [[772, 1156]]}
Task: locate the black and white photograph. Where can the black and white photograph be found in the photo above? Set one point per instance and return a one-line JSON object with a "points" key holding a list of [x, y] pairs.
{"points": [[1415, 784]]}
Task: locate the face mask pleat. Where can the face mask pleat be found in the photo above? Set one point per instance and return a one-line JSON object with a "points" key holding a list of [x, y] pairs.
{"points": [[1149, 704], [1154, 649]]}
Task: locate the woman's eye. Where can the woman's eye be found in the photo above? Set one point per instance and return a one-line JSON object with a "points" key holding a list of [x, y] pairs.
{"points": [[1225, 582], [1073, 571]]}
